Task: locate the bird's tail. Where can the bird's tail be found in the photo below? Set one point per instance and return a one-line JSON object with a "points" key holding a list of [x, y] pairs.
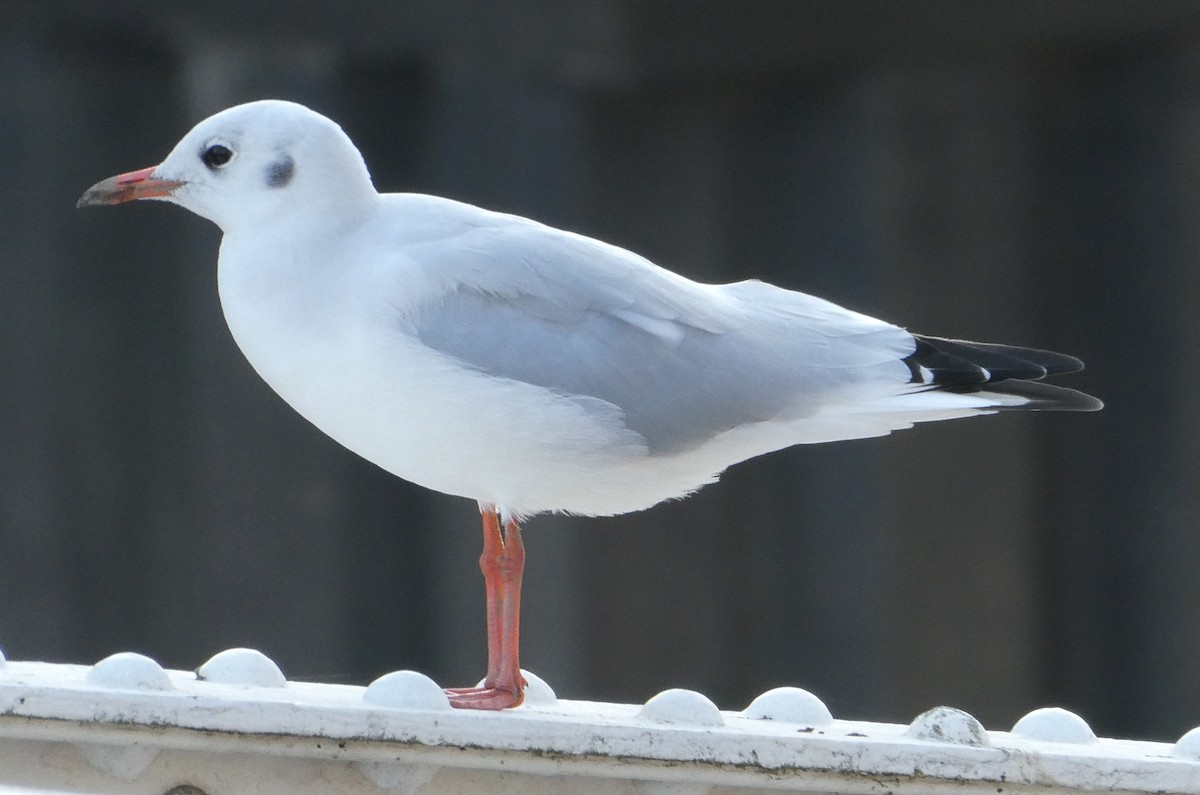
{"points": [[1010, 373]]}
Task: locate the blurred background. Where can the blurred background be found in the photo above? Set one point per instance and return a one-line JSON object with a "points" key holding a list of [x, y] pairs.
{"points": [[1024, 172]]}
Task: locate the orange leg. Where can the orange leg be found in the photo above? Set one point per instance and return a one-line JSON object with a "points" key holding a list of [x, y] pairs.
{"points": [[502, 564]]}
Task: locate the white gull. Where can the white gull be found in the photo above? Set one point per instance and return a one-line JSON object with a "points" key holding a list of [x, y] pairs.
{"points": [[529, 368]]}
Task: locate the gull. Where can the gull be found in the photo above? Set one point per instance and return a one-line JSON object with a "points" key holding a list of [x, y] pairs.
{"points": [[529, 368]]}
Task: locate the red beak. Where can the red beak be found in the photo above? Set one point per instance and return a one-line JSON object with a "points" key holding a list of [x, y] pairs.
{"points": [[127, 187]]}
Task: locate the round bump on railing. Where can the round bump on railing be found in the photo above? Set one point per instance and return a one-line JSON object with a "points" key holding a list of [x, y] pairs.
{"points": [[682, 707], [791, 705], [129, 671], [1054, 725], [406, 690], [1188, 746], [245, 667], [948, 725]]}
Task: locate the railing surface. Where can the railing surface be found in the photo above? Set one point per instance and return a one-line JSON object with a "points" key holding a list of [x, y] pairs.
{"points": [[236, 725]]}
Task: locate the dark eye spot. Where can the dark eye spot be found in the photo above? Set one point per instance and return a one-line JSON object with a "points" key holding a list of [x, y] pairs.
{"points": [[216, 156], [280, 172]]}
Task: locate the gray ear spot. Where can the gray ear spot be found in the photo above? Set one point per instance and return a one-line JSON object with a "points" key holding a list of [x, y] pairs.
{"points": [[280, 172]]}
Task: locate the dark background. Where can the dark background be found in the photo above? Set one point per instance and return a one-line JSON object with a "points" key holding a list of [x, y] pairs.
{"points": [[1020, 172]]}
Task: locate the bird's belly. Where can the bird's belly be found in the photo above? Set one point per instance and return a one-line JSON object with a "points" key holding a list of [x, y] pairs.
{"points": [[435, 421]]}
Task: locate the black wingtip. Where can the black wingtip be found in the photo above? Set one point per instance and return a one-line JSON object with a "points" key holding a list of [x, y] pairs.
{"points": [[959, 361], [962, 366]]}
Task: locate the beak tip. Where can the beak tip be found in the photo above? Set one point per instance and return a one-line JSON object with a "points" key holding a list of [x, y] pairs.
{"points": [[86, 200], [106, 191]]}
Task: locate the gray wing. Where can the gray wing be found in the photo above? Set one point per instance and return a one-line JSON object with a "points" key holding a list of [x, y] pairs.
{"points": [[682, 361]]}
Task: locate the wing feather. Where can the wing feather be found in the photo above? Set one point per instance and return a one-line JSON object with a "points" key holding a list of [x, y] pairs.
{"points": [[682, 361]]}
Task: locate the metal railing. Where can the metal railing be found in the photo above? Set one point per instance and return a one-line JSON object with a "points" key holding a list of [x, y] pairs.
{"points": [[236, 725]]}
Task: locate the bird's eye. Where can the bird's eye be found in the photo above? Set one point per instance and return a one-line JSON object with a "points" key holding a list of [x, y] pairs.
{"points": [[216, 156]]}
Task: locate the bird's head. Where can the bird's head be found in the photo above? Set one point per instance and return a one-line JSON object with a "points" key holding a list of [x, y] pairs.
{"points": [[250, 165]]}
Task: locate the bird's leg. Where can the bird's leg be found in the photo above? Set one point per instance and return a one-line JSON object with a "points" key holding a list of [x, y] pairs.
{"points": [[512, 568], [489, 564], [502, 564]]}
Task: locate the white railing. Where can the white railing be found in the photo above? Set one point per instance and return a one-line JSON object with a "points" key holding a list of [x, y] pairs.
{"points": [[236, 725]]}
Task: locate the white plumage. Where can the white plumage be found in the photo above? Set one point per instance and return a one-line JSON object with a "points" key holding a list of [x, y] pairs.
{"points": [[529, 368], [492, 357]]}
